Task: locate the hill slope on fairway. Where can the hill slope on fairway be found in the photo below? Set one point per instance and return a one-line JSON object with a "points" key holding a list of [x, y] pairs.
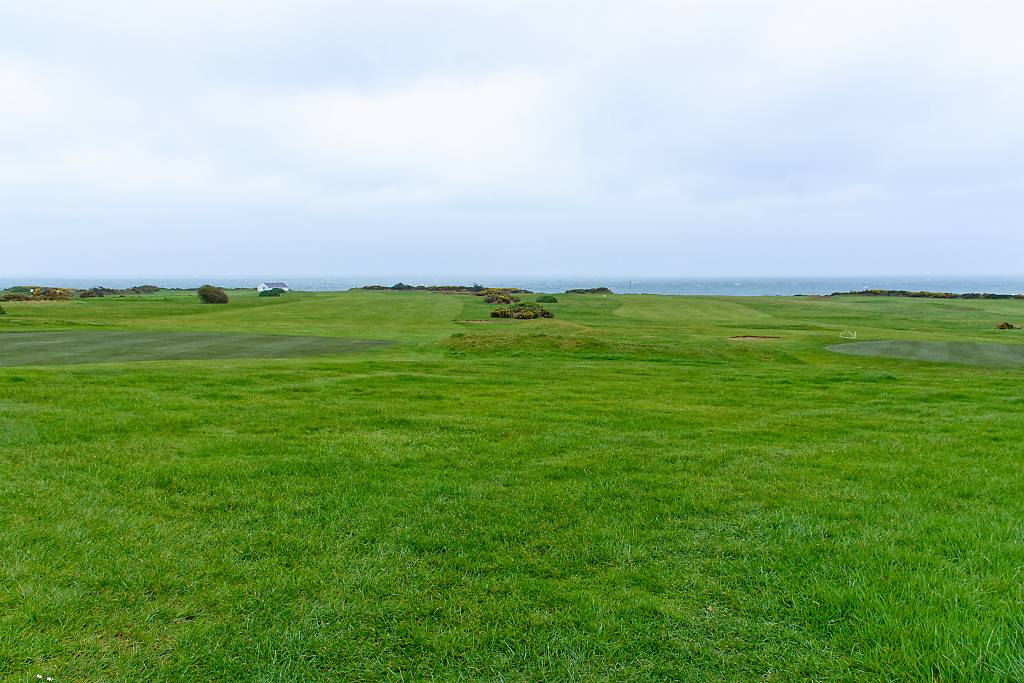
{"points": [[623, 492]]}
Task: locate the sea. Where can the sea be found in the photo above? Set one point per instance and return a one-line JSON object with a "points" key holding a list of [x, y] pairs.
{"points": [[729, 286]]}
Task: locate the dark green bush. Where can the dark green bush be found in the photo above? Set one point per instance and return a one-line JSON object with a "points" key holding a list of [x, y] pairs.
{"points": [[523, 311], [592, 290], [1005, 326], [276, 291], [209, 294], [547, 299], [2, 311]]}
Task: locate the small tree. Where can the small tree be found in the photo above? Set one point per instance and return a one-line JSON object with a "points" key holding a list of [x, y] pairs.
{"points": [[209, 294]]}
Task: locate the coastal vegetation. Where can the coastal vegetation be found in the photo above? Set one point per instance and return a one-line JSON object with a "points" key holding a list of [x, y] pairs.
{"points": [[209, 294], [501, 298], [100, 291], [591, 290], [477, 289], [927, 295], [522, 311]]}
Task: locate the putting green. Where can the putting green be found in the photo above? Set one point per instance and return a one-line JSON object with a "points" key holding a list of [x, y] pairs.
{"points": [[66, 348], [963, 353]]}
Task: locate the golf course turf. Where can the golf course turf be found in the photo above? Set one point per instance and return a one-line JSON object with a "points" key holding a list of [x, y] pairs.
{"points": [[966, 353], [59, 348], [623, 492]]}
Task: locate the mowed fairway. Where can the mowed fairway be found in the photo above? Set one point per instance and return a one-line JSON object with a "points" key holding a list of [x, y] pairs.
{"points": [[621, 493], [967, 353], [59, 348]]}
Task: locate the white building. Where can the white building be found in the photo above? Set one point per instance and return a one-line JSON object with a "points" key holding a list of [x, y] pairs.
{"points": [[264, 286]]}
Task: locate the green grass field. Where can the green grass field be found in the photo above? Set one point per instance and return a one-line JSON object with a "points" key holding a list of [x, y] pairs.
{"points": [[967, 353], [255, 491]]}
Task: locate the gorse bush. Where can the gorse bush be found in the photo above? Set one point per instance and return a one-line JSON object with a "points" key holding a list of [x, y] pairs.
{"points": [[14, 296], [52, 294], [209, 294], [547, 299], [523, 311], [501, 298], [276, 291]]}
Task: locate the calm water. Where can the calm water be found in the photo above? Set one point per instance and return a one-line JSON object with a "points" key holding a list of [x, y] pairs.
{"points": [[720, 286]]}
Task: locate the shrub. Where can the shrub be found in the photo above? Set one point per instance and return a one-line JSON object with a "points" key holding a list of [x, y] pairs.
{"points": [[524, 311], [14, 296], [2, 311], [209, 294], [547, 299], [276, 291], [1005, 326], [592, 290], [52, 294], [928, 295], [109, 291], [501, 298]]}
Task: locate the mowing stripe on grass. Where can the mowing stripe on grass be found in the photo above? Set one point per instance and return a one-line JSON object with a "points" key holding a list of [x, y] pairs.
{"points": [[962, 353], [75, 347]]}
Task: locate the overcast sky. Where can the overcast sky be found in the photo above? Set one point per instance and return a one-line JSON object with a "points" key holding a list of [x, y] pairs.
{"points": [[504, 137]]}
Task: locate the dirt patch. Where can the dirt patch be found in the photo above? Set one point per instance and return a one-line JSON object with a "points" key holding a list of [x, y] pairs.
{"points": [[753, 337]]}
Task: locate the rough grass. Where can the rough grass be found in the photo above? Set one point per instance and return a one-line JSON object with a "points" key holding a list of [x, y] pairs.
{"points": [[622, 493]]}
